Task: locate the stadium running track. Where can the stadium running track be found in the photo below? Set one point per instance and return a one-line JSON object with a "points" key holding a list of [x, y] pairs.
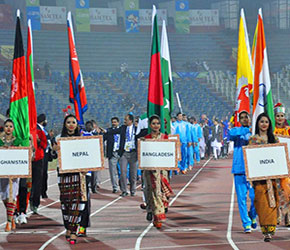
{"points": [[202, 215]]}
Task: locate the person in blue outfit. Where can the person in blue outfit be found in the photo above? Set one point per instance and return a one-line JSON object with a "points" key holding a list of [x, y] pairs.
{"points": [[240, 136], [198, 132], [190, 149], [182, 129]]}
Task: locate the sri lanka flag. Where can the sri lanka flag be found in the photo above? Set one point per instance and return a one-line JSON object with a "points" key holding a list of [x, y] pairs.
{"points": [[18, 97], [155, 102], [244, 77], [262, 97], [77, 93]]}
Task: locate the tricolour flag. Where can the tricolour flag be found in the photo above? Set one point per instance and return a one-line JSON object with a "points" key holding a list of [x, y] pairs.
{"points": [[77, 93], [167, 79], [30, 85], [244, 77], [18, 97], [155, 91], [262, 97]]}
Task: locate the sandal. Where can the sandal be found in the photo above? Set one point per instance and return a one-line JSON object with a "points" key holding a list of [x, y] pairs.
{"points": [[67, 236], [73, 239], [157, 224]]}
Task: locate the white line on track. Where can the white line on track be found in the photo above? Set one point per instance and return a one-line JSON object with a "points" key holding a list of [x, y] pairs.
{"points": [[97, 211], [230, 223], [138, 242], [50, 204]]}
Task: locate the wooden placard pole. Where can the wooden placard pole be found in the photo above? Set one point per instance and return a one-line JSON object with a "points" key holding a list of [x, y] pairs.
{"points": [[10, 190]]}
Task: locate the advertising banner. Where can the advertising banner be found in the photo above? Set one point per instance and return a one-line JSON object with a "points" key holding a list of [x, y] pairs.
{"points": [[33, 13], [145, 16], [102, 16], [132, 20], [32, 2], [204, 17], [82, 4], [83, 20], [131, 4], [52, 15], [6, 17], [182, 21]]}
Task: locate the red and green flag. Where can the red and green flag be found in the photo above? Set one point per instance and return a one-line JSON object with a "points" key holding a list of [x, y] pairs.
{"points": [[18, 97], [155, 91], [167, 79], [30, 85]]}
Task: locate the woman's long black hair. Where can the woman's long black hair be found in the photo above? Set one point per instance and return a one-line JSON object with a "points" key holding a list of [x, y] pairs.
{"points": [[64, 129], [271, 137]]}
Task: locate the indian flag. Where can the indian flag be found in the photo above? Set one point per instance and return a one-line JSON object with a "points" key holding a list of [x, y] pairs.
{"points": [[244, 76], [262, 97], [18, 97], [155, 90], [166, 79]]}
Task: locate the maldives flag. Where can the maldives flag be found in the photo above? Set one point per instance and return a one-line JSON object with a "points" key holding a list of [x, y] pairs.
{"points": [[262, 97], [77, 93], [155, 90], [244, 77], [30, 85], [18, 97]]}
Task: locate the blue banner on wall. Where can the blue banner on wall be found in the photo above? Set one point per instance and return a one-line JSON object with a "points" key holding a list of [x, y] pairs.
{"points": [[132, 20], [33, 13], [82, 4], [182, 5]]}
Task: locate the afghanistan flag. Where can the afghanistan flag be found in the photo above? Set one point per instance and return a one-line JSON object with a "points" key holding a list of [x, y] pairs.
{"points": [[77, 93], [262, 97], [155, 91], [30, 85], [167, 79], [18, 97]]}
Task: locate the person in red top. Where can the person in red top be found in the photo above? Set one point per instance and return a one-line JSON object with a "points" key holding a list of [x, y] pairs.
{"points": [[157, 187], [37, 170]]}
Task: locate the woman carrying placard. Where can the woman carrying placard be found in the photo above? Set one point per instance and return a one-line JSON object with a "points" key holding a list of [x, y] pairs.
{"points": [[266, 193], [6, 140], [282, 128], [71, 188], [157, 186]]}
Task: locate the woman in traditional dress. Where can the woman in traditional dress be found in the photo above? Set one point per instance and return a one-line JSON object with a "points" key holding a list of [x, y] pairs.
{"points": [[266, 192], [157, 186], [71, 188], [282, 128], [7, 139]]}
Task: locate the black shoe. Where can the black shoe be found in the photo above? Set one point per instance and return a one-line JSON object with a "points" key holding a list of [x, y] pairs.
{"points": [[166, 209], [133, 194], [44, 196], [123, 194], [114, 191], [143, 206], [267, 237], [149, 216], [94, 190]]}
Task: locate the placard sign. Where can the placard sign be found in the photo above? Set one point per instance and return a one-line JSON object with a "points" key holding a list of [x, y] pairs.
{"points": [[157, 154], [270, 161], [176, 137], [80, 154], [285, 139], [15, 162]]}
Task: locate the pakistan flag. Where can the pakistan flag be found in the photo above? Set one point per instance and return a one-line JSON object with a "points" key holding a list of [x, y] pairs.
{"points": [[166, 79]]}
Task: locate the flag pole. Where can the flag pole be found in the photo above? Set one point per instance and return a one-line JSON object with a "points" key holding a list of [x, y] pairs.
{"points": [[178, 102]]}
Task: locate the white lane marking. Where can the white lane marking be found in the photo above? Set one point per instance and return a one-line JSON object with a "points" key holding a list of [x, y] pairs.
{"points": [[97, 211], [184, 230], [230, 223], [138, 242]]}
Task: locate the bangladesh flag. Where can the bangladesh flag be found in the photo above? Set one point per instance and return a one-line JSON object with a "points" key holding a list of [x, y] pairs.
{"points": [[18, 96], [167, 79], [155, 90]]}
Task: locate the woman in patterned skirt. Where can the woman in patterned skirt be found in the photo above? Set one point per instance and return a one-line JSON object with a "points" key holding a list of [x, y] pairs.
{"points": [[7, 139], [157, 187], [266, 192], [70, 188]]}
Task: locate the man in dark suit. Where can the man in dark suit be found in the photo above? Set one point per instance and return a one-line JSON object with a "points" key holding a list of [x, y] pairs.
{"points": [[128, 152], [113, 145]]}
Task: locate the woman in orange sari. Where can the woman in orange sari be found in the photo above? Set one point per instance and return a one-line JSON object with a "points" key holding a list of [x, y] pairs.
{"points": [[282, 128], [266, 192], [157, 187]]}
